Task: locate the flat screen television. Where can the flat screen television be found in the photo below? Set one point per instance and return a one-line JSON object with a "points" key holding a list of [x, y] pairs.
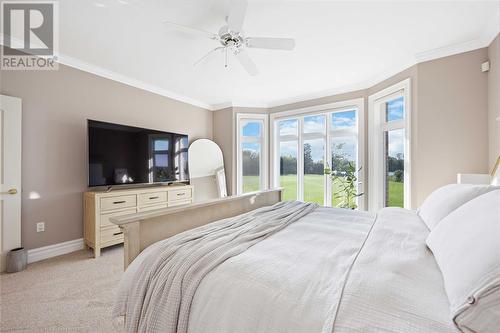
{"points": [[123, 155]]}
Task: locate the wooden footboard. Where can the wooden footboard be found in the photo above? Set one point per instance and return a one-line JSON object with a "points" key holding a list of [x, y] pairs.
{"points": [[146, 228]]}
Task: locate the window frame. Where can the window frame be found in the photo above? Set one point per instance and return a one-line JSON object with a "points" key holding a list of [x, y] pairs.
{"points": [[357, 104], [263, 140], [377, 125]]}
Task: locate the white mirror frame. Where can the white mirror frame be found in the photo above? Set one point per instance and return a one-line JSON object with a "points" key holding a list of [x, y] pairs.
{"points": [[495, 173], [209, 165]]}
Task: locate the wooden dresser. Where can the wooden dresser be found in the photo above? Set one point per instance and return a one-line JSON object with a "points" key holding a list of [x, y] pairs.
{"points": [[100, 206]]}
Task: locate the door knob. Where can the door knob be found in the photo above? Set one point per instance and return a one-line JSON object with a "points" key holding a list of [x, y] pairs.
{"points": [[11, 191]]}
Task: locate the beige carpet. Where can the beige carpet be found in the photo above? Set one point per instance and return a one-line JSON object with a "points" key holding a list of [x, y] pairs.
{"points": [[70, 293]]}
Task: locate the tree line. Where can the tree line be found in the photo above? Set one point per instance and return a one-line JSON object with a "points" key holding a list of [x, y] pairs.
{"points": [[340, 163]]}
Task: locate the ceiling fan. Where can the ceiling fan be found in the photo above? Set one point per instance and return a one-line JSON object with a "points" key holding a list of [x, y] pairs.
{"points": [[233, 41]]}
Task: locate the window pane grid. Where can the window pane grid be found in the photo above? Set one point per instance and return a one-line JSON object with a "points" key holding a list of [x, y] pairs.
{"points": [[251, 154], [393, 129], [314, 166], [288, 169], [303, 176]]}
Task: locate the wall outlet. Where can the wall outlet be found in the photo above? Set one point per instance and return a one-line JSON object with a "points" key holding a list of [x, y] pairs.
{"points": [[40, 227]]}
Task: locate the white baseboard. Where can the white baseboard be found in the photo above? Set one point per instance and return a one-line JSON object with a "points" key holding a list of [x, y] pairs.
{"points": [[55, 250]]}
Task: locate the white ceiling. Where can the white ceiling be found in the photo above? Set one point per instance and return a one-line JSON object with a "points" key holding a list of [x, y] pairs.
{"points": [[341, 46]]}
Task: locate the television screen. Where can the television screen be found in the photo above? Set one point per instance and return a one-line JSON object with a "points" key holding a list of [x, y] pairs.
{"points": [[120, 155]]}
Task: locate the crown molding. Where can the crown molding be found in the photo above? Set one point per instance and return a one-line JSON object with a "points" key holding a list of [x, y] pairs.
{"points": [[488, 34], [345, 89], [449, 50], [221, 106], [102, 72], [484, 40]]}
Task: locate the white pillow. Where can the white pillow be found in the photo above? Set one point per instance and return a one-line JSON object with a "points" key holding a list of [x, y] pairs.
{"points": [[446, 199], [466, 245]]}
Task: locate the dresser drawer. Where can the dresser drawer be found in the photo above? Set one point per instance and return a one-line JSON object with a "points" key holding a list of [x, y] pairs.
{"points": [[105, 217], [180, 194], [153, 207], [144, 199], [179, 203], [122, 201], [111, 234]]}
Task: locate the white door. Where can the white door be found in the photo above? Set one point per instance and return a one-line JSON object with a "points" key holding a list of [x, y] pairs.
{"points": [[10, 175]]}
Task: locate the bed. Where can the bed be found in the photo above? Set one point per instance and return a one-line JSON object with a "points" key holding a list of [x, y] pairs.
{"points": [[313, 269]]}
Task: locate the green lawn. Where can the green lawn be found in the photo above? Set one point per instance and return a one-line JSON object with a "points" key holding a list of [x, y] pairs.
{"points": [[396, 194], [314, 189]]}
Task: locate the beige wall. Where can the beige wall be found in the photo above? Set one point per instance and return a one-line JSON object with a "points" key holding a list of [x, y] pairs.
{"points": [[452, 120], [494, 101], [319, 101], [56, 105], [223, 136]]}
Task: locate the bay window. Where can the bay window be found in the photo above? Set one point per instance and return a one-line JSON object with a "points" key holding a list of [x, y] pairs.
{"points": [[251, 162], [389, 132], [306, 141]]}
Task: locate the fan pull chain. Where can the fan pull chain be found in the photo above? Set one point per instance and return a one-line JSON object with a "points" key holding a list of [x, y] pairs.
{"points": [[225, 57]]}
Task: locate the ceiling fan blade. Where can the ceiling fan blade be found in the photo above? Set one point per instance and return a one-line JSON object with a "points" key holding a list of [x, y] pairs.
{"points": [[271, 43], [209, 53], [246, 62], [191, 30], [237, 15]]}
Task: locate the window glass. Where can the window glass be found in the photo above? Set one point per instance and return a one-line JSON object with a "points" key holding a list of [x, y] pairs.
{"points": [[251, 166], [343, 120], [394, 109], [160, 145], [344, 153], [314, 124], [288, 169], [181, 143], [288, 127], [161, 170], [314, 179], [394, 167], [252, 128], [309, 146], [161, 160]]}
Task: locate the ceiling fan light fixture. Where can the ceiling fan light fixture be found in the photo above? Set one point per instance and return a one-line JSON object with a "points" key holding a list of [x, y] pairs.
{"points": [[231, 37]]}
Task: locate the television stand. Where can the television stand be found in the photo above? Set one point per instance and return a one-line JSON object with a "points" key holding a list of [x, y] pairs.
{"points": [[100, 206]]}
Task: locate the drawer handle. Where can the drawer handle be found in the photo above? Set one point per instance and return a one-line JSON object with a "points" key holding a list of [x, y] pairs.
{"points": [[152, 198], [117, 233], [181, 194], [118, 202]]}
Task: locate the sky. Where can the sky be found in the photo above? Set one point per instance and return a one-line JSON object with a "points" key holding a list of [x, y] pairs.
{"points": [[253, 146], [161, 144], [312, 124], [251, 129], [396, 142], [395, 111], [288, 127], [340, 120]]}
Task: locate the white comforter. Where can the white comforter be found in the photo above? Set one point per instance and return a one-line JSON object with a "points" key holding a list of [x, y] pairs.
{"points": [[329, 271]]}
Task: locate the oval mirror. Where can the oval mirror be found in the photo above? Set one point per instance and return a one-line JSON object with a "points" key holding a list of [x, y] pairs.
{"points": [[206, 170]]}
